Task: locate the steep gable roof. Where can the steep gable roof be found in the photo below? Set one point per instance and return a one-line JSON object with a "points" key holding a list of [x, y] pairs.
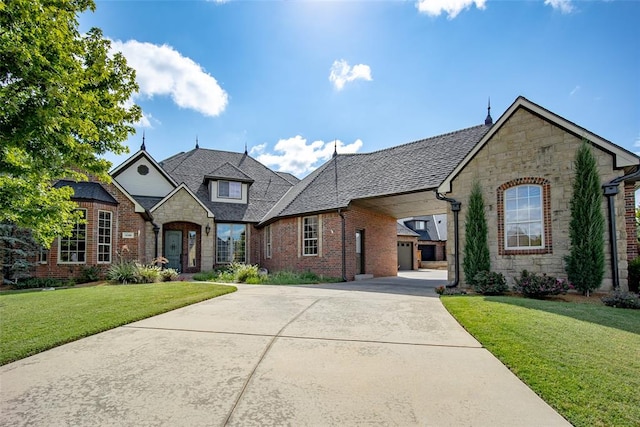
{"points": [[193, 166], [408, 168], [622, 158]]}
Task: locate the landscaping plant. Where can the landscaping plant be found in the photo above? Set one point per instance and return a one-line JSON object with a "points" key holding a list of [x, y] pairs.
{"points": [[476, 247], [585, 262], [621, 299], [490, 283], [532, 285]]}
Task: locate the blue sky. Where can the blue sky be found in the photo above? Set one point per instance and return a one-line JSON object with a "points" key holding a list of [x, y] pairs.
{"points": [[288, 78]]}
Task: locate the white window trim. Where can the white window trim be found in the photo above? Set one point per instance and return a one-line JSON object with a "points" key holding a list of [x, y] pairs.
{"points": [[85, 245], [507, 224], [239, 197], [110, 245]]}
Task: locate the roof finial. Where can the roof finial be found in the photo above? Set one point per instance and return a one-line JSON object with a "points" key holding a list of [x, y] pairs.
{"points": [[143, 147], [488, 121], [197, 146], [335, 147], [245, 148]]}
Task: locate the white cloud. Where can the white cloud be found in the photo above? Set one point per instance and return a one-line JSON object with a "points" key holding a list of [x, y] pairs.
{"points": [[341, 73], [564, 6], [299, 158], [161, 70], [451, 7]]}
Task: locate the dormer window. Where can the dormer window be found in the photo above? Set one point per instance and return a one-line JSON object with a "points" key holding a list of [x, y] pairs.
{"points": [[230, 190]]}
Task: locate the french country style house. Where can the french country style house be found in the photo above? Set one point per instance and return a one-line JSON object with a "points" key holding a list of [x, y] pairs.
{"points": [[203, 208]]}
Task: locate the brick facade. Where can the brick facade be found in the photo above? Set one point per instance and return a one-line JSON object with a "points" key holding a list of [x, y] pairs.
{"points": [[124, 220], [528, 147], [630, 220], [380, 240]]}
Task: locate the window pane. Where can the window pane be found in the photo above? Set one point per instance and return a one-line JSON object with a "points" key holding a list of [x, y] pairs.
{"points": [[235, 190], [223, 188], [310, 235], [523, 217]]}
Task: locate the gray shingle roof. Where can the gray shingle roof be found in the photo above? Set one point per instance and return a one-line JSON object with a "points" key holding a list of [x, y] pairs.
{"points": [[289, 177], [89, 191], [267, 188], [230, 172], [403, 230], [416, 166]]}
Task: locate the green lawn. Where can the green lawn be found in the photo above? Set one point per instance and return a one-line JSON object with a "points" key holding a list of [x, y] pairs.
{"points": [[31, 322], [582, 359]]}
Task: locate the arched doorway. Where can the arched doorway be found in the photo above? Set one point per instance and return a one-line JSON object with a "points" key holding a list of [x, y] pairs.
{"points": [[181, 246]]}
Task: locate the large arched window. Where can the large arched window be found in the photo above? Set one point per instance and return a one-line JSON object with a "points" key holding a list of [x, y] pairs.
{"points": [[524, 217]]}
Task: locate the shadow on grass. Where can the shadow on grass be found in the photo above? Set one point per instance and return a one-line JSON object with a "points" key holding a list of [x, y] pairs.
{"points": [[619, 318]]}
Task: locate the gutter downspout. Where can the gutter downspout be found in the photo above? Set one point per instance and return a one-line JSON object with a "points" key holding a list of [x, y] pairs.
{"points": [[344, 248], [610, 190], [455, 207]]}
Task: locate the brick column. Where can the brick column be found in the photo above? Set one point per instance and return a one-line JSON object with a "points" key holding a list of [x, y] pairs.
{"points": [[630, 220]]}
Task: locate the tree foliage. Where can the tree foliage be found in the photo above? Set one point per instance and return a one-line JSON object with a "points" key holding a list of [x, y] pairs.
{"points": [[64, 102], [17, 247], [476, 247], [585, 262]]}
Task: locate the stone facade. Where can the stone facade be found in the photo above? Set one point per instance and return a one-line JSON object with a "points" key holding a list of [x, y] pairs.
{"points": [[530, 149], [182, 208]]}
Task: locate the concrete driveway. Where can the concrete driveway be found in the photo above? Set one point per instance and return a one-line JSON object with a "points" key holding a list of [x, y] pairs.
{"points": [[380, 352]]}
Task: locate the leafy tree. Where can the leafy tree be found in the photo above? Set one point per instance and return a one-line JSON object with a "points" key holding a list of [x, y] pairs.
{"points": [[585, 262], [476, 247], [64, 102]]}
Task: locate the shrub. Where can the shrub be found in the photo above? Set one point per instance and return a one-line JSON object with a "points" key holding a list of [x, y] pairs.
{"points": [[148, 273], [169, 274], [634, 275], [443, 290], [37, 282], [205, 276], [534, 286], [490, 283], [242, 272], [123, 272], [622, 299], [90, 274]]}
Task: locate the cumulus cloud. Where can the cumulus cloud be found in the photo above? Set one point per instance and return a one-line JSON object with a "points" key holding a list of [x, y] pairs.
{"points": [[451, 7], [341, 73], [296, 156], [161, 70], [564, 6]]}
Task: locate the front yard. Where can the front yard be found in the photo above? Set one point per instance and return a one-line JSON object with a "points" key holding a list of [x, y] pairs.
{"points": [[582, 359], [36, 321]]}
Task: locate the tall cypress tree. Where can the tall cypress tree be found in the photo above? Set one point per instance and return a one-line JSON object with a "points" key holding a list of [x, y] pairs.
{"points": [[585, 262], [476, 248]]}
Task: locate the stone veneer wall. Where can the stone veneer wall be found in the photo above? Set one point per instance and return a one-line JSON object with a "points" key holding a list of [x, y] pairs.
{"points": [[182, 207], [380, 245], [529, 147]]}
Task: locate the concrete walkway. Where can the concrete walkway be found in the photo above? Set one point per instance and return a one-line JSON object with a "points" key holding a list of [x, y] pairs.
{"points": [[380, 352]]}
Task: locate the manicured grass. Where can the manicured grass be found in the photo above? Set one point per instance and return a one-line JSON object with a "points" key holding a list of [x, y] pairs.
{"points": [[582, 359], [32, 322]]}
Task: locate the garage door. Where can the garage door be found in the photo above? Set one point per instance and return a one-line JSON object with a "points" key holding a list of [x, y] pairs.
{"points": [[405, 255]]}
